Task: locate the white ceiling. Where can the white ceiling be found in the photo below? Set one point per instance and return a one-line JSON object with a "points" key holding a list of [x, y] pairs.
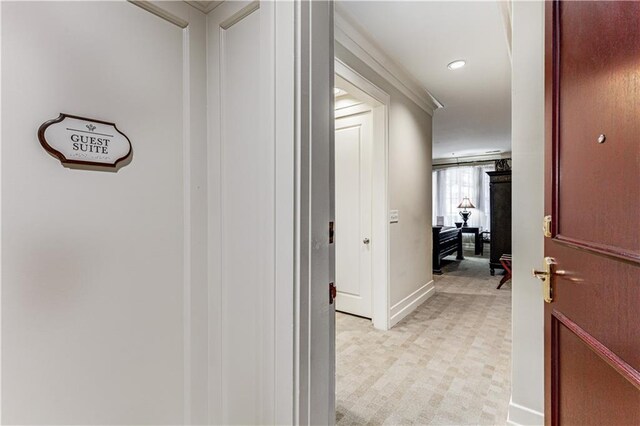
{"points": [[423, 37]]}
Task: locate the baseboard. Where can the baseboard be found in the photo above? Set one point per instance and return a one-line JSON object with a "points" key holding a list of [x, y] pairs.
{"points": [[520, 415], [410, 303]]}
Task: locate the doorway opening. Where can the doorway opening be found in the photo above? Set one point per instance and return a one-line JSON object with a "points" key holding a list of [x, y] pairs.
{"points": [[362, 227], [446, 359]]}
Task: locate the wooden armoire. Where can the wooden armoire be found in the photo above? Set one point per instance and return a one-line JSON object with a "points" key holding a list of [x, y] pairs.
{"points": [[500, 199]]}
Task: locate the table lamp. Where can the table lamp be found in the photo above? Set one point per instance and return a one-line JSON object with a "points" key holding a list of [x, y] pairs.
{"points": [[465, 204]]}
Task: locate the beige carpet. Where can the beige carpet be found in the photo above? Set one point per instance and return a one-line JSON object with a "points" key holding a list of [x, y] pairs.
{"points": [[448, 363]]}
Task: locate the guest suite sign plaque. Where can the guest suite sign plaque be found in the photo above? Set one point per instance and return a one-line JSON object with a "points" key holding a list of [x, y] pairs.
{"points": [[79, 140]]}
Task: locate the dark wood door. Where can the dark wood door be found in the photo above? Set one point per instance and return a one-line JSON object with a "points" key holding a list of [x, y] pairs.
{"points": [[592, 326]]}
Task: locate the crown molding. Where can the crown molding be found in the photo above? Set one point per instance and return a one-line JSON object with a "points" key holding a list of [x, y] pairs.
{"points": [[203, 6], [470, 159], [356, 40], [160, 12]]}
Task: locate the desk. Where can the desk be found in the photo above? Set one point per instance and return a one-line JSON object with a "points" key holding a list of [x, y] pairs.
{"points": [[476, 231]]}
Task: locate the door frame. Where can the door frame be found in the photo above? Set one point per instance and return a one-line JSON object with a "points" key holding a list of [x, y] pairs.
{"points": [[380, 257]]}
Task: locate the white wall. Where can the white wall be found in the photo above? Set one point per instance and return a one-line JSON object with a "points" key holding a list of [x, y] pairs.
{"points": [[527, 398], [103, 273], [409, 189]]}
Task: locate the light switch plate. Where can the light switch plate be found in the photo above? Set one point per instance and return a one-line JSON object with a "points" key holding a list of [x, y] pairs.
{"points": [[394, 216]]}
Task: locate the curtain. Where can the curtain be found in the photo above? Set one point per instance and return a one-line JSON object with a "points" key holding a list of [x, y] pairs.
{"points": [[452, 184]]}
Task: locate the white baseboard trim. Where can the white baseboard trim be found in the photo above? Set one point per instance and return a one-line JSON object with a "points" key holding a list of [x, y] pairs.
{"points": [[520, 415], [410, 303]]}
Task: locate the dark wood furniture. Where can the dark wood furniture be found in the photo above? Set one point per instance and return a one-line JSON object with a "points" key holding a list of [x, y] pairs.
{"points": [[505, 260], [486, 239], [500, 199], [446, 240], [478, 238]]}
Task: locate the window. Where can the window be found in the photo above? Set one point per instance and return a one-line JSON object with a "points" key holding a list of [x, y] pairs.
{"points": [[452, 184]]}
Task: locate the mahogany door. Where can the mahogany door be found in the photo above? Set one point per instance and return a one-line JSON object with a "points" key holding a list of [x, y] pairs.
{"points": [[592, 325]]}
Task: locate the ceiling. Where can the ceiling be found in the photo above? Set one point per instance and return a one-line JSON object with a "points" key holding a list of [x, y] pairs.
{"points": [[423, 37]]}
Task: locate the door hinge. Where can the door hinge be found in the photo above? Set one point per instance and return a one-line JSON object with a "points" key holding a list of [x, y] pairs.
{"points": [[333, 292], [546, 226], [331, 232]]}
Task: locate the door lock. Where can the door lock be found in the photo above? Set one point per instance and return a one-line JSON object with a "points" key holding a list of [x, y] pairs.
{"points": [[546, 277], [366, 241], [546, 226]]}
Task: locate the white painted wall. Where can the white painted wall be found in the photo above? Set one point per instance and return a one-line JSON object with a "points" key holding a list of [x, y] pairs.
{"points": [[409, 189], [527, 398], [103, 274]]}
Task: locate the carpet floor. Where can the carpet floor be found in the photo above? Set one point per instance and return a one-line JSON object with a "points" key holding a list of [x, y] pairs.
{"points": [[447, 363]]}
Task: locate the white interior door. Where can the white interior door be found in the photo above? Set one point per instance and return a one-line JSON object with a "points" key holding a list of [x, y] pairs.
{"points": [[102, 273], [164, 293], [353, 144]]}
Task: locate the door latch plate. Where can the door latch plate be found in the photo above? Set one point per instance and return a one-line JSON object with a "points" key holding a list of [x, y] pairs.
{"points": [[333, 292], [331, 232]]}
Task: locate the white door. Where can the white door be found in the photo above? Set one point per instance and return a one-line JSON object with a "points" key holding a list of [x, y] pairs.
{"points": [[127, 298], [103, 280], [353, 144]]}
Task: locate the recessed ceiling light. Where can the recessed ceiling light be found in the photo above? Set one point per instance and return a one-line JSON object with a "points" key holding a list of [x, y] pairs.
{"points": [[456, 64], [338, 92]]}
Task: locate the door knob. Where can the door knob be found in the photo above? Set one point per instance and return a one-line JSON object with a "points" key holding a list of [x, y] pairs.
{"points": [[546, 277], [366, 241]]}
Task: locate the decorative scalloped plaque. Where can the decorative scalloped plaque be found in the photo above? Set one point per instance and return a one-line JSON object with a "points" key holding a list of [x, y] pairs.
{"points": [[79, 140]]}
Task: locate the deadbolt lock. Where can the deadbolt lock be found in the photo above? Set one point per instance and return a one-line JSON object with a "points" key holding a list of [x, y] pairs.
{"points": [[546, 277]]}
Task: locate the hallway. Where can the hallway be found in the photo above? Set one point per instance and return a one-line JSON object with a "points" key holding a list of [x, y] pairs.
{"points": [[447, 363]]}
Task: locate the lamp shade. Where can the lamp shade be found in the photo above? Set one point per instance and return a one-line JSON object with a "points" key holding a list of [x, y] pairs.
{"points": [[466, 204]]}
